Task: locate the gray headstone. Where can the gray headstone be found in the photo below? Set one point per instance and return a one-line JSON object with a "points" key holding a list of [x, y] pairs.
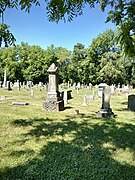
{"points": [[65, 97], [131, 102], [105, 110], [8, 87], [0, 84], [5, 79], [84, 101], [53, 100]]}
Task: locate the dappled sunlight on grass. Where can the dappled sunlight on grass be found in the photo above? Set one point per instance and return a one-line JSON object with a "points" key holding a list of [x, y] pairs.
{"points": [[36, 144]]}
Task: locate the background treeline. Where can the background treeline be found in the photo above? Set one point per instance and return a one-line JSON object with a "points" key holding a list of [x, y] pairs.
{"points": [[103, 61]]}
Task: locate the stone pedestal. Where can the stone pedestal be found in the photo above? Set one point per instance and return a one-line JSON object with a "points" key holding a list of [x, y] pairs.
{"points": [[54, 105], [53, 100], [105, 113]]}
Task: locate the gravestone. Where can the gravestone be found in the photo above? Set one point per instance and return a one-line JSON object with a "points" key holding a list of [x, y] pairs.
{"points": [[112, 89], [8, 87], [5, 79], [90, 86], [131, 102], [101, 86], [32, 92], [0, 84], [65, 97], [118, 91], [18, 85], [53, 100], [84, 101], [105, 110]]}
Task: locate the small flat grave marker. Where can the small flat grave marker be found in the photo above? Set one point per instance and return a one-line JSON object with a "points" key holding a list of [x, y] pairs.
{"points": [[20, 103]]}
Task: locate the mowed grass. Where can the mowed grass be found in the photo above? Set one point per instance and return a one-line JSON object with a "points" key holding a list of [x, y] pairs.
{"points": [[42, 145]]}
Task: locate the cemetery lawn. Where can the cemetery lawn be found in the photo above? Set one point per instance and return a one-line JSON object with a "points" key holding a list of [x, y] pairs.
{"points": [[40, 145]]}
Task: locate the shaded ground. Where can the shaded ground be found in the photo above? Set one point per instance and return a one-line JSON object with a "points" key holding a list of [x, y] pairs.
{"points": [[91, 150]]}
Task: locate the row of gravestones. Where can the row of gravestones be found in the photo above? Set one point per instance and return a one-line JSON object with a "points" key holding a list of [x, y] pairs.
{"points": [[55, 102]]}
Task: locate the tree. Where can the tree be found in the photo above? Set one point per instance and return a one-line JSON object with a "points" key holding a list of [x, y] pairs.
{"points": [[111, 70], [76, 68], [122, 13]]}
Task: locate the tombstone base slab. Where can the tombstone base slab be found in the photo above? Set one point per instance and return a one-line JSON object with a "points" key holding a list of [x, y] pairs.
{"points": [[54, 105], [105, 113], [20, 103]]}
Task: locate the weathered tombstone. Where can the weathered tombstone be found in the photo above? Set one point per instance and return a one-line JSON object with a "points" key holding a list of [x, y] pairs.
{"points": [[78, 85], [23, 83], [32, 92], [101, 86], [84, 101], [112, 89], [65, 97], [18, 85], [90, 86], [0, 84], [118, 91], [53, 100], [82, 86], [5, 79], [8, 87], [105, 110], [74, 85], [131, 102]]}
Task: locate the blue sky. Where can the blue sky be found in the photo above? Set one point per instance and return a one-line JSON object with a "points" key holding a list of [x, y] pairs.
{"points": [[35, 29]]}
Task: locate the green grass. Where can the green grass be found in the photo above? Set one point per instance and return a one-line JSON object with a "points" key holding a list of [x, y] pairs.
{"points": [[37, 144]]}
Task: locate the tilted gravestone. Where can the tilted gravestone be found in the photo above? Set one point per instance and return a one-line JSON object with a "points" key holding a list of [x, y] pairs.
{"points": [[105, 110], [131, 102], [53, 100]]}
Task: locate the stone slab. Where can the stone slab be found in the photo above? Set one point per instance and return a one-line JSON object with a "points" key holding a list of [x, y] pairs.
{"points": [[20, 103]]}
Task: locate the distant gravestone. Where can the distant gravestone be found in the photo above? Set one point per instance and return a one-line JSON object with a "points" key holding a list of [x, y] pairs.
{"points": [[32, 92], [65, 97], [118, 91], [131, 102], [105, 110], [90, 86], [112, 89], [8, 87], [18, 85], [101, 86], [5, 79], [84, 101], [74, 85], [0, 84]]}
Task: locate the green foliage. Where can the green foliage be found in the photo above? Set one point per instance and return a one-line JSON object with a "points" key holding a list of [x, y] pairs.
{"points": [[103, 61], [6, 36], [122, 13]]}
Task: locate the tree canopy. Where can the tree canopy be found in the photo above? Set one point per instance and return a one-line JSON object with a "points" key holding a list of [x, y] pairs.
{"points": [[122, 13], [100, 62]]}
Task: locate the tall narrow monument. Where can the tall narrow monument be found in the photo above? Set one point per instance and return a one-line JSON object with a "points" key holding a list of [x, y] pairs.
{"points": [[105, 110], [53, 100], [5, 79]]}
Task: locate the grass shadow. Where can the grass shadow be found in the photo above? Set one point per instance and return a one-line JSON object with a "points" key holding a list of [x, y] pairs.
{"points": [[85, 155]]}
